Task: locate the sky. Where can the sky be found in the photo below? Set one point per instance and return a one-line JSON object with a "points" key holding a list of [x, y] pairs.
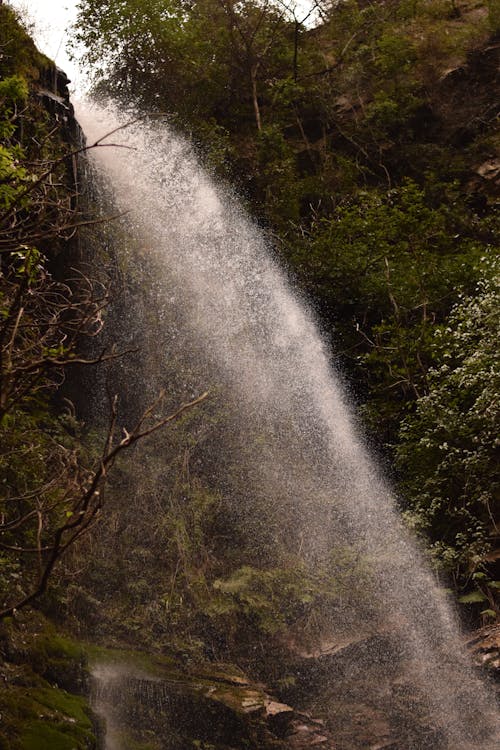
{"points": [[52, 19]]}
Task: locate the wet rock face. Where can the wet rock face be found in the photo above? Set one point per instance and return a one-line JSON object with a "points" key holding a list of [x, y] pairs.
{"points": [[308, 732], [175, 711], [485, 648], [54, 93], [360, 685]]}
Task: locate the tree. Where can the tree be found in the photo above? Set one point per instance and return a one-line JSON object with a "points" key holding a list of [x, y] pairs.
{"points": [[188, 58], [254, 31]]}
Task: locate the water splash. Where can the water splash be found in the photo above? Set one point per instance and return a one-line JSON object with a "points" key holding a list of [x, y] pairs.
{"points": [[261, 345]]}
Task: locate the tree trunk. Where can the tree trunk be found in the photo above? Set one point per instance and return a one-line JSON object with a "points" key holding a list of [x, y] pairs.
{"points": [[255, 99]]}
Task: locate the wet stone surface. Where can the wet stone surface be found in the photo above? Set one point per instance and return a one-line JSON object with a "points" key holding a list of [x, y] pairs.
{"points": [[485, 648], [177, 711]]}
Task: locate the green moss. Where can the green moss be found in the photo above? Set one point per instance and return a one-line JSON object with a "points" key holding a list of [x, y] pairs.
{"points": [[45, 718], [55, 646], [19, 53], [153, 664], [66, 704], [36, 713], [40, 736]]}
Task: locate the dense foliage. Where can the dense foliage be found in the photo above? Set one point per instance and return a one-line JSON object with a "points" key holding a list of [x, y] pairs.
{"points": [[362, 135], [449, 445]]}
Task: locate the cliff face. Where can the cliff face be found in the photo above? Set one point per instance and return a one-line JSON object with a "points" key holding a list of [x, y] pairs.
{"points": [[43, 674], [468, 108], [38, 129], [47, 83], [52, 91], [467, 95]]}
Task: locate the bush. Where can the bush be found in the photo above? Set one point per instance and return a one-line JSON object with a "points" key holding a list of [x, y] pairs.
{"points": [[449, 445]]}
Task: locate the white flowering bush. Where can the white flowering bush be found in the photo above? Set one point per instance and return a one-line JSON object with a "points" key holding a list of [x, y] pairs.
{"points": [[449, 450]]}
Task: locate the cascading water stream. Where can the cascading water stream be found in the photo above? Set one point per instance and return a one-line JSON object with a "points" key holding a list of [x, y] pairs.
{"points": [[268, 356]]}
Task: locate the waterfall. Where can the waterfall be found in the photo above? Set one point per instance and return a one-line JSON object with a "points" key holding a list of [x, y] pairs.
{"points": [[255, 344]]}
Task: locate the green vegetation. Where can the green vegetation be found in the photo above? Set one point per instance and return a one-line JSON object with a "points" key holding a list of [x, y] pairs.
{"points": [[359, 145], [51, 476], [366, 145], [448, 450], [41, 318], [362, 142], [43, 677]]}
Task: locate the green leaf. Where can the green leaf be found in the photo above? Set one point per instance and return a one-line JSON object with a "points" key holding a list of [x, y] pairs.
{"points": [[479, 576], [473, 598], [489, 613]]}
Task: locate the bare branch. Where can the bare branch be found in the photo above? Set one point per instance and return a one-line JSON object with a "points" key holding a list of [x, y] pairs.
{"points": [[87, 503]]}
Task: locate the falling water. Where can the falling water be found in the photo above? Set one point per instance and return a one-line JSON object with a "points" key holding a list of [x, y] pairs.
{"points": [[259, 343]]}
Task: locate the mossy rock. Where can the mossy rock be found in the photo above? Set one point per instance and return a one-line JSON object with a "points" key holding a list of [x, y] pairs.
{"points": [[45, 718], [38, 712], [32, 641], [61, 660], [19, 53]]}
